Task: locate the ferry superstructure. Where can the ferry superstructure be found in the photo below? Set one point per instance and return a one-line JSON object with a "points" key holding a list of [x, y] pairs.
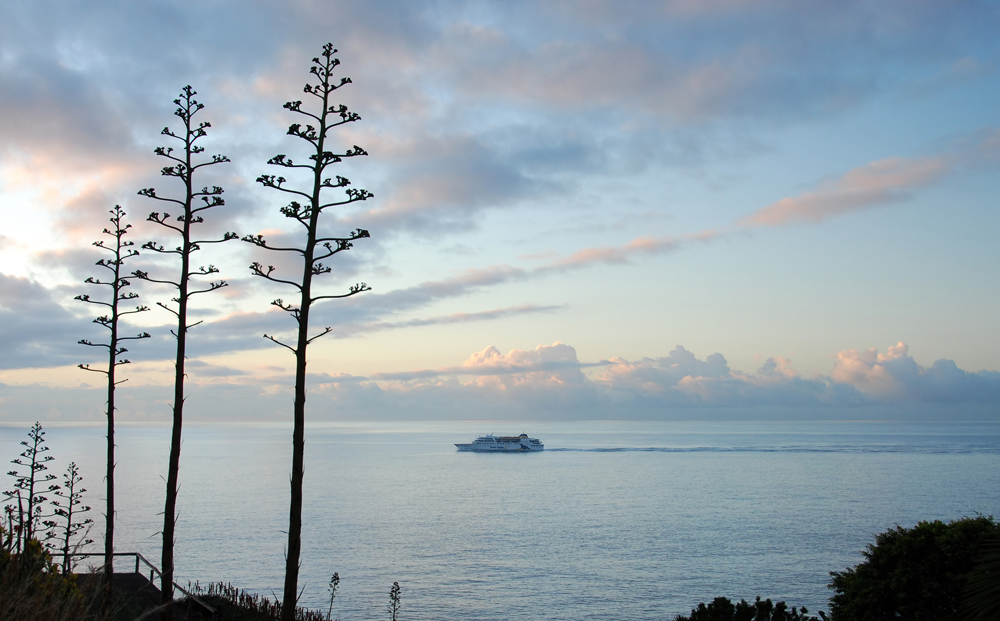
{"points": [[503, 444]]}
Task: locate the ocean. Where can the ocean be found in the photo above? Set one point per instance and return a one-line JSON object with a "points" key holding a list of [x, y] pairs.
{"points": [[614, 520]]}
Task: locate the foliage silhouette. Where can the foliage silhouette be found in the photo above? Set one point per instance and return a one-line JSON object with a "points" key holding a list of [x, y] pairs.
{"points": [[192, 204], [24, 518], [981, 599], [332, 588], [305, 208], [120, 250], [721, 609], [69, 509], [912, 574], [32, 588], [395, 603], [233, 604]]}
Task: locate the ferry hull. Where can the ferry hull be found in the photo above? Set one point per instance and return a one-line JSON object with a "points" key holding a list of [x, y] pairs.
{"points": [[514, 448], [503, 444]]}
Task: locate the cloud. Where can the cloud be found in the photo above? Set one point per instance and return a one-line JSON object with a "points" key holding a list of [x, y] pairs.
{"points": [[465, 111], [243, 330], [868, 186], [206, 369], [874, 184], [871, 185], [36, 331], [453, 318], [545, 364], [896, 376], [660, 374], [549, 382], [42, 333], [613, 255], [440, 183], [878, 183], [680, 379], [374, 306], [52, 107], [689, 62], [619, 388], [858, 378]]}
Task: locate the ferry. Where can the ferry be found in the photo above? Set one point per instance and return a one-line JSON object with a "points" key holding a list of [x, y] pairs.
{"points": [[503, 444]]}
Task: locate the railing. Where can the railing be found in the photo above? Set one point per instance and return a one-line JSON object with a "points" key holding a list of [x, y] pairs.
{"points": [[152, 569]]}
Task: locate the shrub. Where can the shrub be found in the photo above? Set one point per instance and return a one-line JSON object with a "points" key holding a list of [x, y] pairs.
{"points": [[32, 588], [233, 604], [912, 574], [721, 609]]}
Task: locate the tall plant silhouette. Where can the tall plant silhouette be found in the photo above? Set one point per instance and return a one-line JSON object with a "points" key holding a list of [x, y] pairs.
{"points": [[191, 203], [395, 602], [25, 517], [305, 208], [332, 589], [120, 250], [68, 507]]}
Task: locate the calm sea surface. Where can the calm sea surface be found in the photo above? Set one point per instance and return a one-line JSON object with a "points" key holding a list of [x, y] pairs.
{"points": [[613, 521]]}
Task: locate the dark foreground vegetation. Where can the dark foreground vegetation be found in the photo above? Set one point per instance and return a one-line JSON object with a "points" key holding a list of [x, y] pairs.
{"points": [[934, 571], [34, 588]]}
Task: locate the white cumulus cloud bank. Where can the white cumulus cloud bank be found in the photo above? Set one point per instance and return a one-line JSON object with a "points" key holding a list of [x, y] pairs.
{"points": [[550, 382], [858, 378], [896, 376], [550, 379]]}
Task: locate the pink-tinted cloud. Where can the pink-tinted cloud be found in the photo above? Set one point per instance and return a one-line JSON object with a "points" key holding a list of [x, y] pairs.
{"points": [[546, 364], [551, 383], [681, 379], [658, 375], [878, 183], [868, 186], [872, 185], [453, 318], [613, 255], [556, 363], [896, 376], [873, 372]]}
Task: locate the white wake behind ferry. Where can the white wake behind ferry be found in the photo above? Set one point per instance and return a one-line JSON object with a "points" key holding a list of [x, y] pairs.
{"points": [[503, 444]]}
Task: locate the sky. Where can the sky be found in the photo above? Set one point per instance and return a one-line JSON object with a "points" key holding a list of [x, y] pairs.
{"points": [[582, 210]]}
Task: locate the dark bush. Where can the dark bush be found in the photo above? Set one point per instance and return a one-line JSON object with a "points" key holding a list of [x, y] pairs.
{"points": [[32, 588], [912, 574], [721, 609]]}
